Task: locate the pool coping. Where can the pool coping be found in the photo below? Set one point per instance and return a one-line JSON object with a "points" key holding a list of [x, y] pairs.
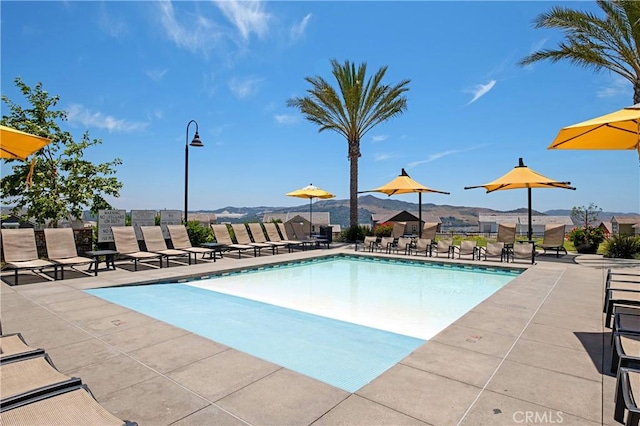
{"points": [[484, 339]]}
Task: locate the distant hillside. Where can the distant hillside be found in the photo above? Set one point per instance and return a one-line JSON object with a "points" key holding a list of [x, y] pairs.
{"points": [[603, 216]]}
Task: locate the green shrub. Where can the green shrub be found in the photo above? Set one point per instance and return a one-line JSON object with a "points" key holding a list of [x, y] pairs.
{"points": [[354, 233], [199, 234], [623, 246], [383, 230]]}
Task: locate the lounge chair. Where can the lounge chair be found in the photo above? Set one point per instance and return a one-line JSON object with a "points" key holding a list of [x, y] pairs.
{"points": [[627, 392], [466, 248], [429, 231], [13, 346], [26, 378], [259, 236], [553, 239], [180, 240], [155, 243], [242, 237], [20, 252], [221, 233], [386, 244], [619, 298], [127, 246], [493, 250], [523, 250], [619, 282], [398, 229], [443, 246], [274, 235], [626, 351], [293, 241], [71, 406], [506, 234], [61, 249], [422, 245]]}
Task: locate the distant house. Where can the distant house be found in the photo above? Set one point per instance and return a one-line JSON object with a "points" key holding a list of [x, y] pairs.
{"points": [[606, 227], [205, 219], [13, 222], [488, 224], [411, 220], [623, 225]]}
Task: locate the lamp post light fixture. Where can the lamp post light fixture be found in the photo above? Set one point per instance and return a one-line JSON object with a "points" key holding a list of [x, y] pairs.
{"points": [[195, 142]]}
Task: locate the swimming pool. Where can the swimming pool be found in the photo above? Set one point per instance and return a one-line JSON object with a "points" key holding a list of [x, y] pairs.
{"points": [[341, 320]]}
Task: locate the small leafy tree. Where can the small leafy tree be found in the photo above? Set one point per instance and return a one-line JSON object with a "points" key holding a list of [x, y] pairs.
{"points": [[62, 181], [586, 214]]}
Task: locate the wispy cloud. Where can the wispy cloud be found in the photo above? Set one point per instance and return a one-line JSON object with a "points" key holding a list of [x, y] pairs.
{"points": [[379, 138], [243, 88], [286, 118], [536, 47], [617, 86], [480, 90], [116, 28], [156, 74], [382, 156], [198, 35], [248, 16], [442, 154], [78, 114], [297, 30]]}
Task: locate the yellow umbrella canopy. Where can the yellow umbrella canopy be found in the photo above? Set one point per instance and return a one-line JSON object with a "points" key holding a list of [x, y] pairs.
{"points": [[15, 144], [617, 130], [403, 184], [310, 192], [523, 177]]}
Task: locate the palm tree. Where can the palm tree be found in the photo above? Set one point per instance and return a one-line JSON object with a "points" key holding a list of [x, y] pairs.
{"points": [[352, 110], [612, 43]]}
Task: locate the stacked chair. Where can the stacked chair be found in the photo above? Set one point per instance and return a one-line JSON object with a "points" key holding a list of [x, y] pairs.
{"points": [[622, 314], [33, 391]]}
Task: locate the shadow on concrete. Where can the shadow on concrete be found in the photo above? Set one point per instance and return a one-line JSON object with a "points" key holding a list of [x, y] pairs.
{"points": [[598, 346], [27, 277]]}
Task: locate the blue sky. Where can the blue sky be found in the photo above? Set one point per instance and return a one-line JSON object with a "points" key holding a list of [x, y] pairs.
{"points": [[135, 73]]}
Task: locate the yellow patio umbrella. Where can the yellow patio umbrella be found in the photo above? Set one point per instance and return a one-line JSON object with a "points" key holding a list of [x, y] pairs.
{"points": [[617, 130], [523, 177], [15, 144], [403, 184], [310, 192]]}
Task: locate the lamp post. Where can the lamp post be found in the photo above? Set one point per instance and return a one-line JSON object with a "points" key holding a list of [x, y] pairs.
{"points": [[195, 142]]}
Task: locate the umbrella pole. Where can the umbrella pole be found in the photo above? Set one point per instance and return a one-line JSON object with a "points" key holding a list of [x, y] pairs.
{"points": [[310, 216], [530, 230], [419, 214]]}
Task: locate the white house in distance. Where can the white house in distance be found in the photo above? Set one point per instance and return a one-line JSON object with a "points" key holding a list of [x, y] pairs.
{"points": [[410, 219], [625, 225], [319, 219], [488, 223]]}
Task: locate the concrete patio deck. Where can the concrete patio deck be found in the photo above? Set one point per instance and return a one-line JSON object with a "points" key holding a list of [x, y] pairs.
{"points": [[535, 352]]}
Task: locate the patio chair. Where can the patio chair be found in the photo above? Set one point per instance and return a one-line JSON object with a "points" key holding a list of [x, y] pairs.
{"points": [[20, 252], [27, 378], [522, 250], [273, 234], [506, 234], [242, 237], [13, 346], [627, 392], [127, 246], [61, 249], [180, 240], [402, 244], [155, 243], [71, 406], [620, 282], [492, 250], [615, 298], [221, 233], [466, 248], [443, 246], [386, 244], [370, 242], [553, 239], [259, 236], [422, 245], [625, 351]]}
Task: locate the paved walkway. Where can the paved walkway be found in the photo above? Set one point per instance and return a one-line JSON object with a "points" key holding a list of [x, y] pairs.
{"points": [[533, 353]]}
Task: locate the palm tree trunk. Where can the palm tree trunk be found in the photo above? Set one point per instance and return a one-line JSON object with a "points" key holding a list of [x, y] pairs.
{"points": [[354, 154], [636, 92]]}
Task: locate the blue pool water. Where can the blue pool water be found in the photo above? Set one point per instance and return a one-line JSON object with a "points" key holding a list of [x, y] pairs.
{"points": [[341, 349]]}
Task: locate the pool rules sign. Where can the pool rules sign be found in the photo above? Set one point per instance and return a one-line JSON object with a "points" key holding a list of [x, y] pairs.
{"points": [[107, 219]]}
